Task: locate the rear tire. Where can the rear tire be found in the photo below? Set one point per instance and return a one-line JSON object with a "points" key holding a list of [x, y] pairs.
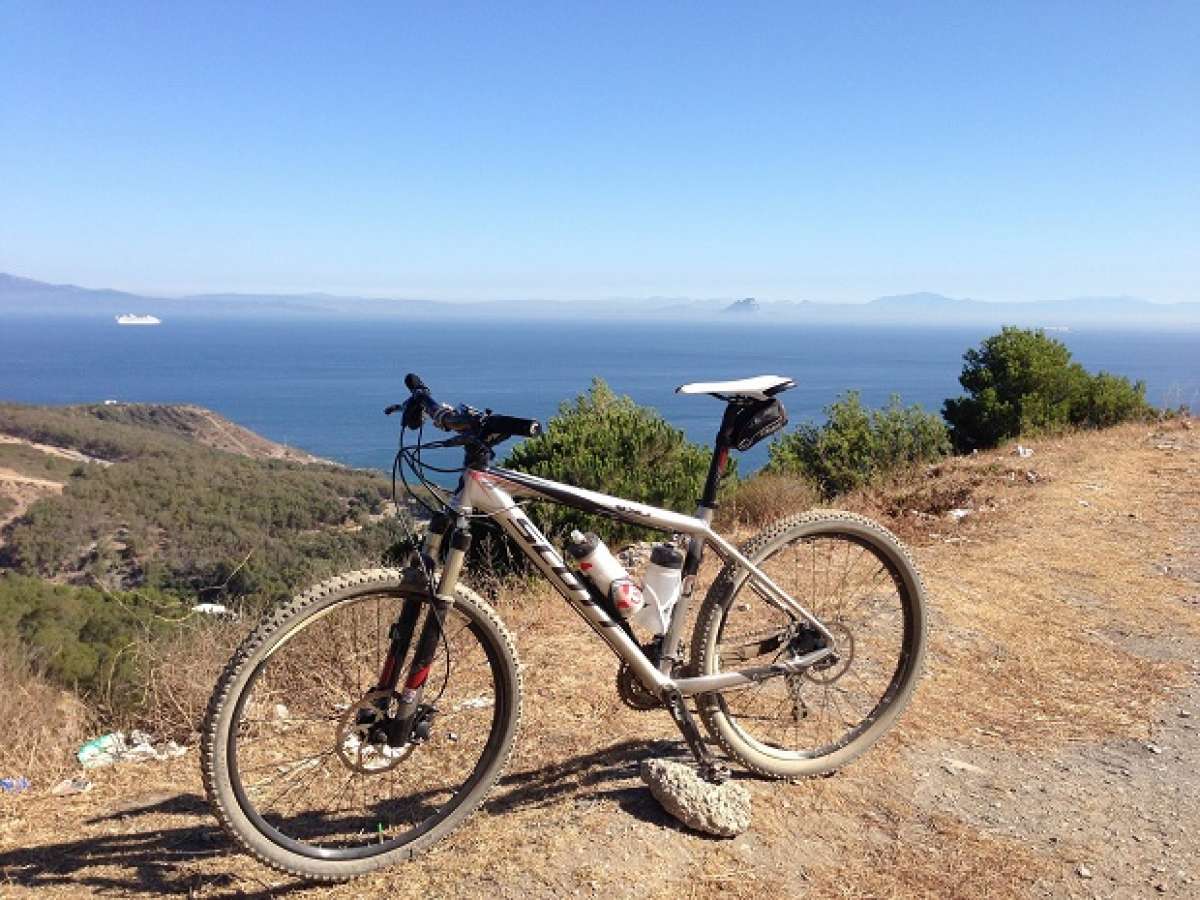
{"points": [[760, 727], [295, 843]]}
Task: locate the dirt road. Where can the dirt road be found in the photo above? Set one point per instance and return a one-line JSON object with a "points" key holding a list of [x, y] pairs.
{"points": [[21, 491], [1052, 749]]}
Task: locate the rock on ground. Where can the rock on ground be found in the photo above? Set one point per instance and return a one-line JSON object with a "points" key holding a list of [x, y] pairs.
{"points": [[720, 809]]}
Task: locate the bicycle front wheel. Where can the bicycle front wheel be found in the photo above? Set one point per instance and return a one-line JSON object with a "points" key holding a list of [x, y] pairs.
{"points": [[293, 759], [859, 581]]}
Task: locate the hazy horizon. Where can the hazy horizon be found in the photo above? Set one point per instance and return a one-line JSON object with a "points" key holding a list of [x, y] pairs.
{"points": [[666, 298]]}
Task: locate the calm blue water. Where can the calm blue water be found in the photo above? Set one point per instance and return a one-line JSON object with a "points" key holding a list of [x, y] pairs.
{"points": [[321, 386]]}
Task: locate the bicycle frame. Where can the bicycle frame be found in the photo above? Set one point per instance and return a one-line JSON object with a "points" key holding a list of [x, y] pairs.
{"points": [[494, 491]]}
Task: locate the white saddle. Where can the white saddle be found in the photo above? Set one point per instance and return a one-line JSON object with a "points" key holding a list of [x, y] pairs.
{"points": [[760, 387]]}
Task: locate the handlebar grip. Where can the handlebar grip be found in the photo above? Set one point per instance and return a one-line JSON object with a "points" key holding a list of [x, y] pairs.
{"points": [[513, 425], [413, 382]]}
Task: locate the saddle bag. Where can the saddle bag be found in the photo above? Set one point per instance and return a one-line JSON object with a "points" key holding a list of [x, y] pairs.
{"points": [[755, 421]]}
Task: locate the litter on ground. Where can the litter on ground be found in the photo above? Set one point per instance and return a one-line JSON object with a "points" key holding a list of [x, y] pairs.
{"points": [[118, 747]]}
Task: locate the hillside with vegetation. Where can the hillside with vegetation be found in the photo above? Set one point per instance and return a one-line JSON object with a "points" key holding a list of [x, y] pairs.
{"points": [[127, 516]]}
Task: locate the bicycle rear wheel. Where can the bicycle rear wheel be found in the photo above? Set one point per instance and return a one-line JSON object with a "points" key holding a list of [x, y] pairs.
{"points": [[859, 581], [291, 764]]}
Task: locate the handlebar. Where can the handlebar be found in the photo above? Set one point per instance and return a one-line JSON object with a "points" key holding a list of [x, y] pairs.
{"points": [[491, 427]]}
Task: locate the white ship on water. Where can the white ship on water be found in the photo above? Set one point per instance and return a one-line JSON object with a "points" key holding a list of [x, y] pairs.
{"points": [[131, 319]]}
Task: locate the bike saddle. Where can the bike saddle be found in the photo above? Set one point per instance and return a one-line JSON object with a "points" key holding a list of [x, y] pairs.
{"points": [[760, 387]]}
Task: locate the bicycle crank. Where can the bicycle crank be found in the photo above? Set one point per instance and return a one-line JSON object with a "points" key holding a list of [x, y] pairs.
{"points": [[633, 693]]}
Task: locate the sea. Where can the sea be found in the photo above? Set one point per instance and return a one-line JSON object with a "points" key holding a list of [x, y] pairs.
{"points": [[322, 385]]}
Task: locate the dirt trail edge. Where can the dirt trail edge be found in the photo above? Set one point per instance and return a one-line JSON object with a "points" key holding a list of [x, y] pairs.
{"points": [[1052, 749]]}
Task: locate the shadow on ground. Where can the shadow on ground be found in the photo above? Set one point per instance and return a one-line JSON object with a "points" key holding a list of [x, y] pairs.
{"points": [[133, 860], [143, 858]]}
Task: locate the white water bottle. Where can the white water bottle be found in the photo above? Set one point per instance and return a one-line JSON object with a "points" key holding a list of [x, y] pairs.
{"points": [[605, 572], [661, 586]]}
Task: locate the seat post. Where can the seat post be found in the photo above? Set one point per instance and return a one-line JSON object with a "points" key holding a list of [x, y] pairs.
{"points": [[720, 457]]}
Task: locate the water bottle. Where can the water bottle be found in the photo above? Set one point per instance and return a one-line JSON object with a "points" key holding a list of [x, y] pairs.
{"points": [[661, 586], [605, 572]]}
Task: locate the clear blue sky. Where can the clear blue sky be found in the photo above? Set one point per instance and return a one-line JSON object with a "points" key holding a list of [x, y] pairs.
{"points": [[790, 151]]}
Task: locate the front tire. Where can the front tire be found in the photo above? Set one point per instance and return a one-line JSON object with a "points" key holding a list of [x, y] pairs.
{"points": [[286, 775], [861, 583]]}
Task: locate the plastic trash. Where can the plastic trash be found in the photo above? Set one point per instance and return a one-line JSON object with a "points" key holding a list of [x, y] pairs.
{"points": [[959, 514], [14, 785], [211, 609], [1023, 451], [119, 747], [69, 786], [101, 751]]}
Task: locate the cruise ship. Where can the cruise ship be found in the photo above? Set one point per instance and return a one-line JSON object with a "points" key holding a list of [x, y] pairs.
{"points": [[131, 319]]}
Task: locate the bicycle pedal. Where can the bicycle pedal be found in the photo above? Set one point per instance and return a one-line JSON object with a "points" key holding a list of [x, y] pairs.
{"points": [[715, 772]]}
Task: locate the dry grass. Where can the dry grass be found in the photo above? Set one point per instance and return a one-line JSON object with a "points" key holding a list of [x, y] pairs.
{"points": [[1045, 592], [180, 673], [1043, 612], [42, 725], [766, 498]]}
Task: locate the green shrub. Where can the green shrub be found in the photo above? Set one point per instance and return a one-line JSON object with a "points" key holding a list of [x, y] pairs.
{"points": [[80, 638], [1022, 382], [1112, 399], [605, 442], [857, 444]]}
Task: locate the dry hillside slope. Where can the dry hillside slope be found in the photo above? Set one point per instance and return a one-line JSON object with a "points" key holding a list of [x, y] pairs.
{"points": [[1052, 748]]}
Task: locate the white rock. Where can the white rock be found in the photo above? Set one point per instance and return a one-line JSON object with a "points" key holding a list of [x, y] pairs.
{"points": [[475, 703], [720, 809], [957, 766]]}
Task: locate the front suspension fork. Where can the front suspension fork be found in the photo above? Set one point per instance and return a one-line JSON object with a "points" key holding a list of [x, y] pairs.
{"points": [[400, 726]]}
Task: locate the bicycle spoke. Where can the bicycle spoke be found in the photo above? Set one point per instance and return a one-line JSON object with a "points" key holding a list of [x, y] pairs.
{"points": [[852, 591], [321, 784]]}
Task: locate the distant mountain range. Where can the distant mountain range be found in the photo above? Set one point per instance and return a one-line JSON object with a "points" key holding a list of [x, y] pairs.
{"points": [[25, 297]]}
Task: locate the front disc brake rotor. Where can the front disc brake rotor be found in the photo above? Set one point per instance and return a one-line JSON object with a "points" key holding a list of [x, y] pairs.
{"points": [[361, 741]]}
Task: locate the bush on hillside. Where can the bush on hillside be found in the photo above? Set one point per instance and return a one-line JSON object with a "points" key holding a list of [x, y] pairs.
{"points": [[204, 522], [79, 638], [1111, 400], [608, 443], [173, 515], [72, 427], [857, 445], [1022, 382]]}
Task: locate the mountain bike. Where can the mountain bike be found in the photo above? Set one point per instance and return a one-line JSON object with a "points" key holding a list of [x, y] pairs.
{"points": [[365, 719]]}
